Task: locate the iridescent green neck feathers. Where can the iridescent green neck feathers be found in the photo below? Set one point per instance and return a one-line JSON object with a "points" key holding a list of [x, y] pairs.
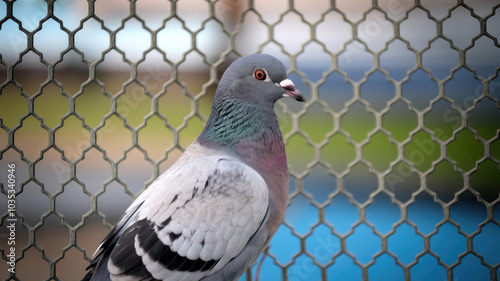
{"points": [[235, 121]]}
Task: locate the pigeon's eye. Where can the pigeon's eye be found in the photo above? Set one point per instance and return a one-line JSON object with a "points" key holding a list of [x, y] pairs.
{"points": [[260, 74]]}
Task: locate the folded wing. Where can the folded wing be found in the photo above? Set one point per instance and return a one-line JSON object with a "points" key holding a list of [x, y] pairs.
{"points": [[191, 221]]}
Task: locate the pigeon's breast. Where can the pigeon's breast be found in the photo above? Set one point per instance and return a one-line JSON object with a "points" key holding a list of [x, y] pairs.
{"points": [[267, 156]]}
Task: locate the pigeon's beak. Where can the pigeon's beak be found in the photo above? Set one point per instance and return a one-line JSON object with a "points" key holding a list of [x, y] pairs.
{"points": [[291, 91]]}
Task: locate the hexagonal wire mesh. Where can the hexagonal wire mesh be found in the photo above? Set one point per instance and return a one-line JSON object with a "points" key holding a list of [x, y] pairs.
{"points": [[394, 159]]}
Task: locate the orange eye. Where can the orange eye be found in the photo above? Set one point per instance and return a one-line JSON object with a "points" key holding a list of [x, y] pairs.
{"points": [[260, 74]]}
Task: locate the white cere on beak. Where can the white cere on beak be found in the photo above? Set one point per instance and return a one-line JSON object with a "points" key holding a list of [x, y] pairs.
{"points": [[287, 83]]}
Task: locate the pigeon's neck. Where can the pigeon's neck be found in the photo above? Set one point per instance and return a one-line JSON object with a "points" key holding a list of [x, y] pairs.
{"points": [[233, 122], [250, 131]]}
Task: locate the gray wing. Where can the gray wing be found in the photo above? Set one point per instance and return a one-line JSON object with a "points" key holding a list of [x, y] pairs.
{"points": [[191, 221]]}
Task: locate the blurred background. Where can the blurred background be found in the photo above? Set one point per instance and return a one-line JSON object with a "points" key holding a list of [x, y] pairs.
{"points": [[394, 159]]}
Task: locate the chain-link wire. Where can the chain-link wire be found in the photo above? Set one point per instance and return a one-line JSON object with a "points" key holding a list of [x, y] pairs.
{"points": [[394, 159]]}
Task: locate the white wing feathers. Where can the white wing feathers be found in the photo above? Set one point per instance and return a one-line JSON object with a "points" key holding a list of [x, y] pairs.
{"points": [[193, 220]]}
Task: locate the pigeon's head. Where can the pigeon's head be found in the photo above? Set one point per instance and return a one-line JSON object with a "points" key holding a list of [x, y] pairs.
{"points": [[243, 107], [257, 78]]}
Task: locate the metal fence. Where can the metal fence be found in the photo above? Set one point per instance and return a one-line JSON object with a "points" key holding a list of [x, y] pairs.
{"points": [[394, 159]]}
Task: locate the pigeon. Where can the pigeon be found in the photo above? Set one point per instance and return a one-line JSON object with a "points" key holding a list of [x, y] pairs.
{"points": [[215, 210]]}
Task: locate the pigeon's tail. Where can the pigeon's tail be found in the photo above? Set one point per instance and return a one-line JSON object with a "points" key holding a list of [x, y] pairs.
{"points": [[98, 270], [99, 266]]}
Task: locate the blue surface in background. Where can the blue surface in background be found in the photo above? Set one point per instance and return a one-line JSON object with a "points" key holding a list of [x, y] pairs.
{"points": [[363, 240]]}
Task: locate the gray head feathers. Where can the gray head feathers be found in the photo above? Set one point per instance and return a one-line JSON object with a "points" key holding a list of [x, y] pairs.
{"points": [[244, 101]]}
